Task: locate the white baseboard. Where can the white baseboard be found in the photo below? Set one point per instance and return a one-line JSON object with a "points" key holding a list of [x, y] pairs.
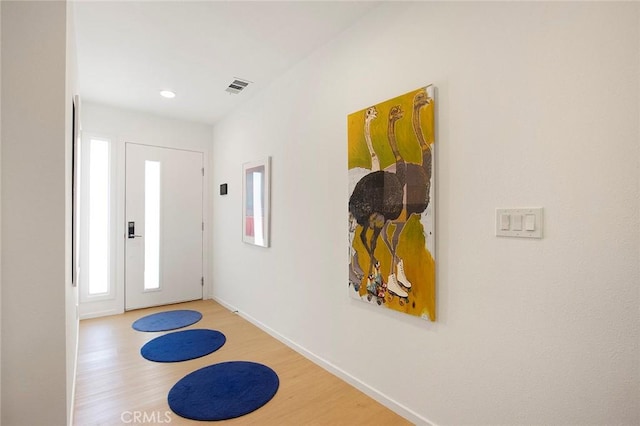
{"points": [[383, 399], [75, 372], [96, 314]]}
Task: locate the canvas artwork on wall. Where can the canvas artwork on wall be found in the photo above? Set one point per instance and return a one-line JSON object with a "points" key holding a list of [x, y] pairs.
{"points": [[391, 204], [256, 196]]}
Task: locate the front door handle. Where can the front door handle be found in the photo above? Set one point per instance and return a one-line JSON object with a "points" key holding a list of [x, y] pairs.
{"points": [[131, 233]]}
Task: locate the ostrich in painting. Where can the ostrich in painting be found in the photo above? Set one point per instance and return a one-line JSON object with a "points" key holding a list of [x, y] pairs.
{"points": [[370, 115], [416, 188], [355, 272], [377, 199]]}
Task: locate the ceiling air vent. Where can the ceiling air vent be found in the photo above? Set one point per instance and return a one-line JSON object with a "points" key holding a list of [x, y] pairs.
{"points": [[237, 86]]}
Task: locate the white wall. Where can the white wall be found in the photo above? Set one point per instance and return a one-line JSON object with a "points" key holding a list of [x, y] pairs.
{"points": [[35, 215], [120, 126], [71, 292], [538, 105]]}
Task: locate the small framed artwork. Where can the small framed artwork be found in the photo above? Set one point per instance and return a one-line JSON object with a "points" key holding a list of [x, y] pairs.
{"points": [[256, 194]]}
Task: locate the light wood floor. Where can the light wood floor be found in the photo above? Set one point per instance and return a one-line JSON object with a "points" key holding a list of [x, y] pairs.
{"points": [[114, 381]]}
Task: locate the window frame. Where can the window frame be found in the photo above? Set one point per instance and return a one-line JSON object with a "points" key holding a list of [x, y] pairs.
{"points": [[85, 174]]}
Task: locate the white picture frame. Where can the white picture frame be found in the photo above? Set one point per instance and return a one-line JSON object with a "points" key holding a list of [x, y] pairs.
{"points": [[256, 202]]}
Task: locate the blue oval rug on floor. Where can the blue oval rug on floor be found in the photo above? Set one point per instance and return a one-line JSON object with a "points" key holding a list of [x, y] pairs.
{"points": [[169, 320], [223, 391], [183, 345]]}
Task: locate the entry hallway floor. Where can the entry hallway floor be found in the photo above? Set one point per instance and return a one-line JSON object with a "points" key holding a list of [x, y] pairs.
{"points": [[116, 386]]}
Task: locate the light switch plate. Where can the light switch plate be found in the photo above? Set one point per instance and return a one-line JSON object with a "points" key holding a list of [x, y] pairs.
{"points": [[515, 221]]}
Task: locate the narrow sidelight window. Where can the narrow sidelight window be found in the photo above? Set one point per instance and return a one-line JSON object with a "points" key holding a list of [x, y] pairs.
{"points": [[151, 225], [99, 223]]}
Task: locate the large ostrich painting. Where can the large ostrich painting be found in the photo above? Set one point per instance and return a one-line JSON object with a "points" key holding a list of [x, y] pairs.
{"points": [[391, 204]]}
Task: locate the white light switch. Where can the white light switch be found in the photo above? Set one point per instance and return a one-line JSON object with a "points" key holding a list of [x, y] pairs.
{"points": [[530, 222], [504, 222], [521, 223], [517, 222]]}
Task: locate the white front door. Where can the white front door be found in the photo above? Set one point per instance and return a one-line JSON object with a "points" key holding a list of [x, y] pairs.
{"points": [[164, 229]]}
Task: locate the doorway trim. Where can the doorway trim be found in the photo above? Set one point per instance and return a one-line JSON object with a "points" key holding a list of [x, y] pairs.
{"points": [[116, 305], [167, 158]]}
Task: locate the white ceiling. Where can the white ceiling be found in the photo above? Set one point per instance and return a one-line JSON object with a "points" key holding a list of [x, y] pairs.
{"points": [[129, 51]]}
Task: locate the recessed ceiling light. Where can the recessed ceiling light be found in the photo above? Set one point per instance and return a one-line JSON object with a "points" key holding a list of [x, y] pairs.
{"points": [[167, 94]]}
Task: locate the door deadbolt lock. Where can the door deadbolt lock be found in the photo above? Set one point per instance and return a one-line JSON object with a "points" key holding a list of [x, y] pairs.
{"points": [[131, 233]]}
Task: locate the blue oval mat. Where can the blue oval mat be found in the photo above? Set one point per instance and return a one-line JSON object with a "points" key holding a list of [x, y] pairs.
{"points": [[169, 320], [223, 391], [183, 345]]}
